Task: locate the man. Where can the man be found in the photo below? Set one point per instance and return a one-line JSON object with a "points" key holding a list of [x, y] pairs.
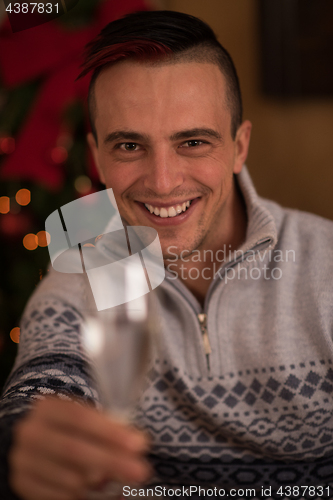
{"points": [[240, 393]]}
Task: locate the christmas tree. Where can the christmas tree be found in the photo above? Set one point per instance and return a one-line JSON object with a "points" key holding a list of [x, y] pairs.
{"points": [[44, 160]]}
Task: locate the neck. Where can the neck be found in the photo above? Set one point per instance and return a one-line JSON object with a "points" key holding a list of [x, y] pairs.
{"points": [[204, 262]]}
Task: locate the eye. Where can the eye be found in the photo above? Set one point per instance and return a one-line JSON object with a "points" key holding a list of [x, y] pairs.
{"points": [[193, 143], [128, 146]]}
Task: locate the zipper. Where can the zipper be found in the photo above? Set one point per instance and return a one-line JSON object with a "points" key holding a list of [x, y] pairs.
{"points": [[202, 317]]}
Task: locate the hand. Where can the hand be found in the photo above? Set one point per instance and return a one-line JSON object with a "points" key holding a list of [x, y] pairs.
{"points": [[62, 449]]}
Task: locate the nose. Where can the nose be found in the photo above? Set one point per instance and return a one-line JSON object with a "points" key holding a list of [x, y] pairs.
{"points": [[164, 172]]}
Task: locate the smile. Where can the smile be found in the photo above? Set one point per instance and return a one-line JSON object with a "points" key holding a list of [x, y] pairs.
{"points": [[171, 211]]}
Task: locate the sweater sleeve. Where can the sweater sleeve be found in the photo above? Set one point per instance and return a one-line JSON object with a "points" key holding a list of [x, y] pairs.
{"points": [[50, 361]]}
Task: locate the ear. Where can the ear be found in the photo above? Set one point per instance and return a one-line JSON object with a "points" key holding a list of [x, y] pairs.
{"points": [[242, 142], [94, 151]]}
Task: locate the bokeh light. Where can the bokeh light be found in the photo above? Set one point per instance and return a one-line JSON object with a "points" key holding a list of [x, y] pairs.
{"points": [[30, 241], [82, 184], [4, 205], [15, 334], [23, 197], [43, 238], [59, 154], [7, 145], [98, 237]]}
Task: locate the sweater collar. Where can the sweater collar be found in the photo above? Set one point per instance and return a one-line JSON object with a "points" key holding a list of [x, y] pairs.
{"points": [[261, 227]]}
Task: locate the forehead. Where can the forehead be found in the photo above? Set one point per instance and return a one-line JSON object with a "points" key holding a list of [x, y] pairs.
{"points": [[182, 91]]}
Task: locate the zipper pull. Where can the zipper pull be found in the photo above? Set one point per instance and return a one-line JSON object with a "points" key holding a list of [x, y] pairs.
{"points": [[203, 325]]}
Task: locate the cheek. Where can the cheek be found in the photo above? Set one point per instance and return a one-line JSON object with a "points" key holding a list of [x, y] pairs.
{"points": [[120, 185], [221, 184], [120, 175], [114, 182], [214, 174], [115, 177]]}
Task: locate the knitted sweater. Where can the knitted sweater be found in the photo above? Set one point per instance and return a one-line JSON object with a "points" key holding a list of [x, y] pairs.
{"points": [[257, 411]]}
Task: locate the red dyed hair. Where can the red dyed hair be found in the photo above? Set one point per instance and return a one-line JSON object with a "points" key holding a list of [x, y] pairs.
{"points": [[158, 35], [139, 49]]}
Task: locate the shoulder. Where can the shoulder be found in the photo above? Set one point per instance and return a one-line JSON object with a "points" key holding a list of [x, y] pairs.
{"points": [[69, 288], [309, 238], [300, 227]]}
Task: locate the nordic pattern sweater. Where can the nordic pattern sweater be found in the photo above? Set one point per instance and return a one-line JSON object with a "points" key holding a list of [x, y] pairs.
{"points": [[258, 410]]}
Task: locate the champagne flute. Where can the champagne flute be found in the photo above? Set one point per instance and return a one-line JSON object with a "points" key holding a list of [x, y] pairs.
{"points": [[119, 343]]}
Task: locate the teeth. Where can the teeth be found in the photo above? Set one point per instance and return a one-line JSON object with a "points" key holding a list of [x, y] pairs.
{"points": [[170, 211]]}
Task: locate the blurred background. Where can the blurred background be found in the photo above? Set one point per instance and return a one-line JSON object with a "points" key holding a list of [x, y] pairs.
{"points": [[283, 52]]}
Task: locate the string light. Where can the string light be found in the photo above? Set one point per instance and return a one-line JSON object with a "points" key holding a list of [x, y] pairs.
{"points": [[15, 334], [4, 205], [23, 197], [43, 238], [30, 241]]}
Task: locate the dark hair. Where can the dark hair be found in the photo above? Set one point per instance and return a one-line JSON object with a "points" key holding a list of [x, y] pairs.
{"points": [[158, 36]]}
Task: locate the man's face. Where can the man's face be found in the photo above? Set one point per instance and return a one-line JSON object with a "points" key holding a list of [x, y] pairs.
{"points": [[164, 143]]}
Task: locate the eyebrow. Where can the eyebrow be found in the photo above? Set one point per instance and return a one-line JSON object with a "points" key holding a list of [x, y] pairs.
{"points": [[203, 132], [128, 135], [131, 135]]}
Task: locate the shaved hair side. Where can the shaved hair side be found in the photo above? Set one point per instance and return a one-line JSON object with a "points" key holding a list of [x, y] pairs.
{"points": [[159, 38]]}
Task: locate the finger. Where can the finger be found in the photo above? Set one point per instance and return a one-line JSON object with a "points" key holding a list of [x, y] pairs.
{"points": [[52, 474], [29, 488], [75, 452], [92, 424], [86, 456]]}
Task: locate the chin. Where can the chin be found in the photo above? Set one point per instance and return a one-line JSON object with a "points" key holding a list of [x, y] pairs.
{"points": [[174, 252]]}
